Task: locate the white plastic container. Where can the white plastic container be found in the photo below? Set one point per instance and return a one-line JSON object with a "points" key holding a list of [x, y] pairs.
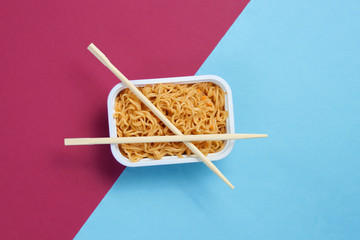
{"points": [[229, 144]]}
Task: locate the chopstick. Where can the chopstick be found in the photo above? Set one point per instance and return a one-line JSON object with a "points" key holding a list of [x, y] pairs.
{"points": [[172, 138], [102, 58]]}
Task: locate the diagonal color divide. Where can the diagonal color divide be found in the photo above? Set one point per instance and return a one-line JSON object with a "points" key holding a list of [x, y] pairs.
{"points": [[294, 70], [51, 88]]}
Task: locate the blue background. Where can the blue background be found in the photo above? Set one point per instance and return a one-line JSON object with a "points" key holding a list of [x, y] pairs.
{"points": [[294, 69]]}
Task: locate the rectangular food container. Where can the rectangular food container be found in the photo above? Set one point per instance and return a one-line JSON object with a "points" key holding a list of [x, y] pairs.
{"points": [[229, 144]]}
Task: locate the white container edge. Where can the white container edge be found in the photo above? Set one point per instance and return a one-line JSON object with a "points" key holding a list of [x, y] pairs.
{"points": [[229, 144]]}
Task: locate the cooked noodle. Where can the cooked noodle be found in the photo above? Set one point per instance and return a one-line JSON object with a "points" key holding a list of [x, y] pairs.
{"points": [[193, 108]]}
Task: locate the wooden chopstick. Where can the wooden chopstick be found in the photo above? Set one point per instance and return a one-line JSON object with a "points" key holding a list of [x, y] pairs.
{"points": [[102, 58], [171, 138]]}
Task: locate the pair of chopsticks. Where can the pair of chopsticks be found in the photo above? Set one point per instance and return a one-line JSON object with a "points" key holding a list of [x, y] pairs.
{"points": [[183, 138]]}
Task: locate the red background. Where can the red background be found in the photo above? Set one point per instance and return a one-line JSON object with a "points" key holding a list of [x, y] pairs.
{"points": [[52, 88]]}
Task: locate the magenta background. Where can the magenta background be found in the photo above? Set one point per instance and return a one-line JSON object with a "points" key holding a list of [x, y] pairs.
{"points": [[52, 88]]}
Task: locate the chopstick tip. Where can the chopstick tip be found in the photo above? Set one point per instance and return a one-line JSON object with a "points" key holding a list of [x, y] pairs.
{"points": [[229, 183], [91, 45], [98, 54]]}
